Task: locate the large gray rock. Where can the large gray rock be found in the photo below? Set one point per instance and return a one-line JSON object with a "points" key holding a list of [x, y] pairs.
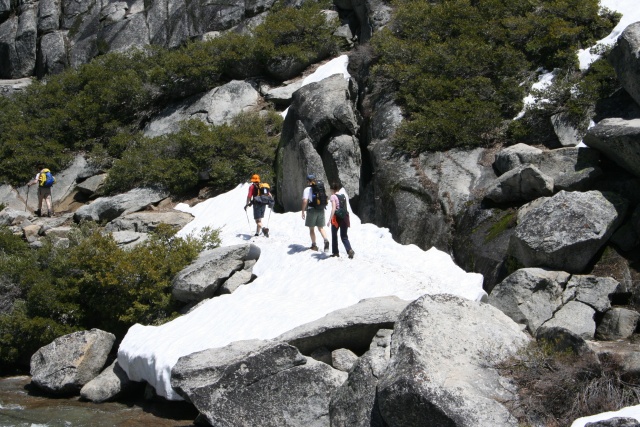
{"points": [[8, 56], [516, 155], [624, 58], [18, 42], [536, 298], [10, 87], [571, 168], [125, 34], [202, 278], [594, 291], [568, 135], [208, 366], [48, 16], [129, 239], [526, 182], [238, 279], [92, 184], [215, 16], [343, 160], [271, 382], [53, 54], [481, 242], [530, 296], [441, 373], [281, 95], [10, 198], [458, 176], [218, 106], [109, 208], [108, 385], [417, 198], [565, 231], [71, 361], [576, 317], [169, 24], [352, 327], [343, 359], [318, 136], [625, 353], [365, 17], [354, 404], [584, 299], [617, 323], [618, 139], [145, 222]]}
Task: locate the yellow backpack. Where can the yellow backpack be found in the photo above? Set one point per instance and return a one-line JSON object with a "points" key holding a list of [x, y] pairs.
{"points": [[46, 178]]}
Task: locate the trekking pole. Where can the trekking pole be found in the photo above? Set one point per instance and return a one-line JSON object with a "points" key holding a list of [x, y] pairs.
{"points": [[248, 223], [269, 217]]}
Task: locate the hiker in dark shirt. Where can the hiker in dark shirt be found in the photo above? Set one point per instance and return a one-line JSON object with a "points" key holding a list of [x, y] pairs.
{"points": [[259, 197]]}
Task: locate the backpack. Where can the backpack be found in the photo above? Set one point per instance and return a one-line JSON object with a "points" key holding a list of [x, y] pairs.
{"points": [[264, 196], [264, 189], [318, 195], [342, 211], [46, 179]]}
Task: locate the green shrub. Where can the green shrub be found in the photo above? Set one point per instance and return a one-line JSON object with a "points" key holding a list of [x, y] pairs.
{"points": [[93, 283], [290, 34], [228, 153], [574, 95], [458, 66]]}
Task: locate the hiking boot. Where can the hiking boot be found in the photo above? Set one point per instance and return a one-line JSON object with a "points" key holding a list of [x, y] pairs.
{"points": [[265, 231], [326, 246], [37, 212], [256, 235], [313, 247], [335, 255], [351, 253], [50, 214]]}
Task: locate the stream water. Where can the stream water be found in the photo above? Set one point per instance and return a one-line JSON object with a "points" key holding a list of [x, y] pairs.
{"points": [[21, 406]]}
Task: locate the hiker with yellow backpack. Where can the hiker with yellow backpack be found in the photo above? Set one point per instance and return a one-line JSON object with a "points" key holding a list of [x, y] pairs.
{"points": [[259, 197], [45, 181]]}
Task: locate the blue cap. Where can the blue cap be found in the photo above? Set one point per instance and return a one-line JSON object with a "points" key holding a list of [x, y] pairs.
{"points": [[311, 177]]}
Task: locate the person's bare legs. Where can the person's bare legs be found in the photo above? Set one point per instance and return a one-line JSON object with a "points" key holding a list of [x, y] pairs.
{"points": [[258, 225], [48, 201], [312, 234], [323, 233]]}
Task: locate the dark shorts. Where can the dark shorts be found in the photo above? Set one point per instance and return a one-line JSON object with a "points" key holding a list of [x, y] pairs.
{"points": [[315, 218], [258, 210]]}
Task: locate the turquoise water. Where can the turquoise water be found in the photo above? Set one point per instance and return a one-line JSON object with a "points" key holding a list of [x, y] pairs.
{"points": [[20, 406]]}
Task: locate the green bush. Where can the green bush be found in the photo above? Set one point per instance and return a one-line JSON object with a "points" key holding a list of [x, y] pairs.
{"points": [[458, 65], [92, 283], [574, 95], [227, 153]]}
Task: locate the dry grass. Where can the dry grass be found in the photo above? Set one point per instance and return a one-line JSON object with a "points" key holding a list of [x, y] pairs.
{"points": [[556, 388]]}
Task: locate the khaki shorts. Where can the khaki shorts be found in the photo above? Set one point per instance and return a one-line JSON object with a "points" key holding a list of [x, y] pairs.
{"points": [[44, 192], [315, 218]]}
